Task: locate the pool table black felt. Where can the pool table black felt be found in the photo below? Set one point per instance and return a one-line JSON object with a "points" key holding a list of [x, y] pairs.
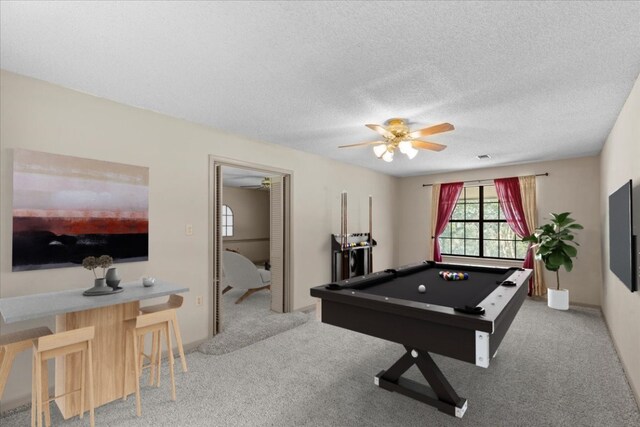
{"points": [[471, 292]]}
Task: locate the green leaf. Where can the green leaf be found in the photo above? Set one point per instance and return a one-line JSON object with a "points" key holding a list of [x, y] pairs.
{"points": [[547, 229], [575, 227], [565, 222], [570, 251], [543, 250], [556, 258], [559, 218], [568, 264], [547, 245]]}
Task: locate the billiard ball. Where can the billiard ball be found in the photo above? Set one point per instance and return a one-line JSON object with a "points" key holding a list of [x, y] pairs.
{"points": [[422, 289]]}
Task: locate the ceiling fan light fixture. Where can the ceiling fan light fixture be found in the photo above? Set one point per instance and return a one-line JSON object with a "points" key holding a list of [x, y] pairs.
{"points": [[379, 150], [411, 153], [405, 146], [397, 135]]}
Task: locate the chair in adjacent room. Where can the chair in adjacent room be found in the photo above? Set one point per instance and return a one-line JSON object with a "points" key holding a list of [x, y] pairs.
{"points": [[174, 303], [59, 345], [241, 273], [154, 323]]}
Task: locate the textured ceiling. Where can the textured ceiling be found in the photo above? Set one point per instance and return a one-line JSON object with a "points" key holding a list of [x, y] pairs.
{"points": [[520, 81]]}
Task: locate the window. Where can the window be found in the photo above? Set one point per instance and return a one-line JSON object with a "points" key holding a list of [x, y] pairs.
{"points": [[227, 221], [478, 228]]}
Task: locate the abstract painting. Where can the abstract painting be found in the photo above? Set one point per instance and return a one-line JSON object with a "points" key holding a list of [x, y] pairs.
{"points": [[67, 208]]}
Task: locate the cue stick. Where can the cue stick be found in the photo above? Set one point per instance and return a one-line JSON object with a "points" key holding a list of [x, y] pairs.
{"points": [[342, 219], [346, 254], [346, 217], [370, 234]]}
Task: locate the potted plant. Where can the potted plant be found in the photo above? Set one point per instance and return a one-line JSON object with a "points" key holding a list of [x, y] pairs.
{"points": [[91, 263], [553, 243]]}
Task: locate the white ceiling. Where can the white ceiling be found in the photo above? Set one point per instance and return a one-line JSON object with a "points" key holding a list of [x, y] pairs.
{"points": [[520, 81]]}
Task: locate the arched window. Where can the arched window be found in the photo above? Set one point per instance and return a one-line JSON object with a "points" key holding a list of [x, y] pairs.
{"points": [[227, 221]]}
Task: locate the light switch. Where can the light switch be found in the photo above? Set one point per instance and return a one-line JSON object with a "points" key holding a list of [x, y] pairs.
{"points": [[188, 229]]}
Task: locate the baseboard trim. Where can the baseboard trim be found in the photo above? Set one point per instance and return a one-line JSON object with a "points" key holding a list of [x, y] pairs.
{"points": [[20, 404], [634, 392], [582, 304], [193, 345], [307, 309], [543, 298]]}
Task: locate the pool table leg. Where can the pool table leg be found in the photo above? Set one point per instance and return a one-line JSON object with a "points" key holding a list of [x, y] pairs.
{"points": [[440, 395]]}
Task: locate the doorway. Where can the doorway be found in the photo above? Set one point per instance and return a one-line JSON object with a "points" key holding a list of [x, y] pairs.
{"points": [[261, 186]]}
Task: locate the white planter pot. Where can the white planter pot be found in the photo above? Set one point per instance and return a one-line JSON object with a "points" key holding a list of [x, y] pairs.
{"points": [[558, 299]]}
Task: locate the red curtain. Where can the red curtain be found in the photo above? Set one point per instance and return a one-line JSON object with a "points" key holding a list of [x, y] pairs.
{"points": [[449, 194], [508, 190]]}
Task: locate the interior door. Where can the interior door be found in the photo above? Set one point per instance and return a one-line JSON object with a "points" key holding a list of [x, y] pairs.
{"points": [[276, 240]]}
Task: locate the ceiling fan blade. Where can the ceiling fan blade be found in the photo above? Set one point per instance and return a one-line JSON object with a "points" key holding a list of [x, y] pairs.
{"points": [[425, 145], [443, 127], [362, 143], [381, 130]]}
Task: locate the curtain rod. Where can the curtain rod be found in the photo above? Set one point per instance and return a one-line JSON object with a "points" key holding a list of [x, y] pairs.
{"points": [[490, 179]]}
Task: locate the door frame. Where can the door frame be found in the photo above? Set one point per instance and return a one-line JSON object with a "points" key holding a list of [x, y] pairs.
{"points": [[215, 238]]}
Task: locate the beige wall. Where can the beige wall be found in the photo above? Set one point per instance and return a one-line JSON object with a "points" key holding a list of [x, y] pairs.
{"points": [[250, 222], [40, 116], [572, 185], [619, 162]]}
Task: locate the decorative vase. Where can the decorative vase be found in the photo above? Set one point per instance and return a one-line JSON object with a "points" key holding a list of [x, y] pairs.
{"points": [[99, 283], [558, 299], [113, 280]]}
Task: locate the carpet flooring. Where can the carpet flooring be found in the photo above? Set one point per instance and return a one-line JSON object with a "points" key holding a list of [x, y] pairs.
{"points": [[249, 322], [553, 369]]}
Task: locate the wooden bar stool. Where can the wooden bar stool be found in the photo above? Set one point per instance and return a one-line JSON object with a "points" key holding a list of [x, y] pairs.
{"points": [[11, 345], [175, 302], [156, 323], [61, 344]]}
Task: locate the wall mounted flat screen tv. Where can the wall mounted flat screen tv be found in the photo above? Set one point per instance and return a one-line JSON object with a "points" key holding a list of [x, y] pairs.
{"points": [[622, 244]]}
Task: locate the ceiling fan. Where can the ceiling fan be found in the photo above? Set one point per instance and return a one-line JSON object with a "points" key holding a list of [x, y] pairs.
{"points": [[397, 135], [265, 184]]}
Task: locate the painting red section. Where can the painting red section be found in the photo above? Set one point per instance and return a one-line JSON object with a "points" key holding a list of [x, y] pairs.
{"points": [[75, 226]]}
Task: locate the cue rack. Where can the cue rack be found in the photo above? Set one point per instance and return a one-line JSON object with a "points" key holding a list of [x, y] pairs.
{"points": [[351, 254]]}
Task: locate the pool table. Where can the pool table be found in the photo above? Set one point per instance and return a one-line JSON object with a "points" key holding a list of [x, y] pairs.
{"points": [[462, 319]]}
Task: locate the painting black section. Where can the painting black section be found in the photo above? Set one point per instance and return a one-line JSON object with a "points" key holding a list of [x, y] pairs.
{"points": [[37, 250]]}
